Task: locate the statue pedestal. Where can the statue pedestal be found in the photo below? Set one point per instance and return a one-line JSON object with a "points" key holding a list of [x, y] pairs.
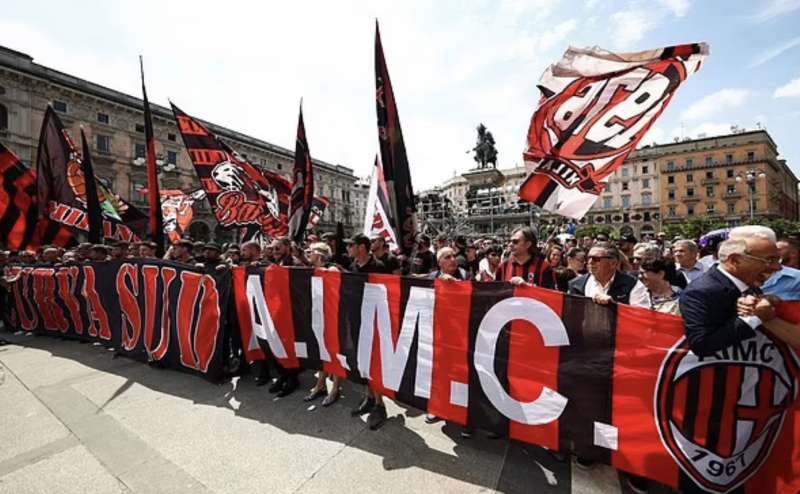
{"points": [[484, 177]]}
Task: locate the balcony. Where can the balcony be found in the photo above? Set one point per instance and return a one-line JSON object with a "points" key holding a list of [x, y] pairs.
{"points": [[733, 195], [693, 198], [710, 181]]}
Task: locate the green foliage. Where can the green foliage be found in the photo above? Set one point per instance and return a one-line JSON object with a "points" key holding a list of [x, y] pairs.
{"points": [[782, 227], [693, 227], [595, 230]]}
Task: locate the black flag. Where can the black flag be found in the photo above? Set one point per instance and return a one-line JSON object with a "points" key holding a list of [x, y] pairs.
{"points": [[393, 154], [92, 202], [156, 223], [302, 198]]}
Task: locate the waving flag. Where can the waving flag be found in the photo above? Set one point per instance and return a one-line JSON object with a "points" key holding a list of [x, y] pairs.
{"points": [[377, 221], [240, 195], [400, 194], [156, 223], [18, 210], [318, 208], [302, 197], [93, 214], [62, 191], [594, 109]]}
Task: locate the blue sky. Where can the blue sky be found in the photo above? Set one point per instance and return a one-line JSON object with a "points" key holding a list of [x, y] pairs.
{"points": [[453, 64]]}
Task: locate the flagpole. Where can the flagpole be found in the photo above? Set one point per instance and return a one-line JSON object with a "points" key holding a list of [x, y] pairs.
{"points": [[156, 223], [92, 201]]}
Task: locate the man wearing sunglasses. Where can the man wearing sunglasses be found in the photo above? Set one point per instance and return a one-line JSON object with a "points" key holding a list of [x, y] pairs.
{"points": [[709, 304], [604, 283]]}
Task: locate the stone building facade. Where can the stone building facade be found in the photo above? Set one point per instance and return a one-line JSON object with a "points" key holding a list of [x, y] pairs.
{"points": [[114, 126]]}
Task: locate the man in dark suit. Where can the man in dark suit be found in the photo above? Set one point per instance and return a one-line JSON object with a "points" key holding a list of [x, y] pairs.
{"points": [[708, 305], [605, 283]]}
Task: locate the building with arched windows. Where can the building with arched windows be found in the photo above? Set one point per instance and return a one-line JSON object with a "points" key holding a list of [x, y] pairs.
{"points": [[114, 125]]}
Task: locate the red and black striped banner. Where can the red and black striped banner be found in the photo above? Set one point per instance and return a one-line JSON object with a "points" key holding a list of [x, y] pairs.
{"points": [[613, 384], [18, 206]]}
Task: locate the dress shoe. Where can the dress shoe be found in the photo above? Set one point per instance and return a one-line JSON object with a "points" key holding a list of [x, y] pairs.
{"points": [[289, 386], [277, 385], [377, 417]]}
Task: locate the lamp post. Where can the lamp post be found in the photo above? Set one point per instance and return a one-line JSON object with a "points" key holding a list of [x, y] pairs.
{"points": [[750, 177]]}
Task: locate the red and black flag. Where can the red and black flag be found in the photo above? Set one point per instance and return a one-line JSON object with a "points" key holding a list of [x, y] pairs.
{"points": [[378, 221], [393, 154], [156, 223], [302, 198], [318, 208], [95, 217], [62, 192], [240, 195], [18, 207], [595, 107]]}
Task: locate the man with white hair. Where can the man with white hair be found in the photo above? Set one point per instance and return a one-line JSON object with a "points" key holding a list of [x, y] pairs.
{"points": [[709, 304], [785, 284], [686, 263]]}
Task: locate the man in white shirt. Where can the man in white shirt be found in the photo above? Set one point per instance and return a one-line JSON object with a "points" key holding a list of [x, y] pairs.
{"points": [[686, 263], [605, 283]]}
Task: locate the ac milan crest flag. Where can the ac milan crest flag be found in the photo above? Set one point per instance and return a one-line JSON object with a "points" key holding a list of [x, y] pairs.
{"points": [[18, 207], [595, 107], [62, 191], [302, 197], [240, 195], [377, 222], [393, 155]]}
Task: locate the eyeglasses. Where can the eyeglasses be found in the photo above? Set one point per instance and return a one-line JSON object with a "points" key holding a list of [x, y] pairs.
{"points": [[770, 261], [598, 258], [515, 241], [636, 259]]}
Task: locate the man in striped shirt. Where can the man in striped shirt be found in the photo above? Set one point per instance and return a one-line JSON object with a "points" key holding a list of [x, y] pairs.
{"points": [[525, 265]]}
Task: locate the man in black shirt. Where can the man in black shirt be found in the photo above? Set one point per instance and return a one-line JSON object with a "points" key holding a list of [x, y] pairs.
{"points": [[358, 248], [423, 262], [382, 254]]}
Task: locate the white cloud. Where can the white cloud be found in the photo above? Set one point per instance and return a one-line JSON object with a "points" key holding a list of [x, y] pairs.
{"points": [[789, 90], [776, 8], [630, 26], [724, 99], [709, 129], [767, 55], [679, 8]]}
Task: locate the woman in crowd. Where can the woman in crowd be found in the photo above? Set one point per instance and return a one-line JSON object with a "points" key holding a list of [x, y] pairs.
{"points": [[663, 296], [493, 255], [319, 256], [576, 261]]}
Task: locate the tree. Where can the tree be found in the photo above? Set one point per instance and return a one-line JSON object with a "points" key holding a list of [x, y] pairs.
{"points": [[594, 230], [485, 151], [693, 228]]}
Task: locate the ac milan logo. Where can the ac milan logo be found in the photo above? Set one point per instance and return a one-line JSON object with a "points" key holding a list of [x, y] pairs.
{"points": [[719, 416]]}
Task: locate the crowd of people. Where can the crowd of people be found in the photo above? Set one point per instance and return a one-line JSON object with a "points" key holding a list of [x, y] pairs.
{"points": [[725, 287]]}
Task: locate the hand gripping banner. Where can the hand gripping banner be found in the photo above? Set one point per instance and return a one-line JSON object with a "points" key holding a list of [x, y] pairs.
{"points": [[153, 311], [614, 384], [594, 109]]}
